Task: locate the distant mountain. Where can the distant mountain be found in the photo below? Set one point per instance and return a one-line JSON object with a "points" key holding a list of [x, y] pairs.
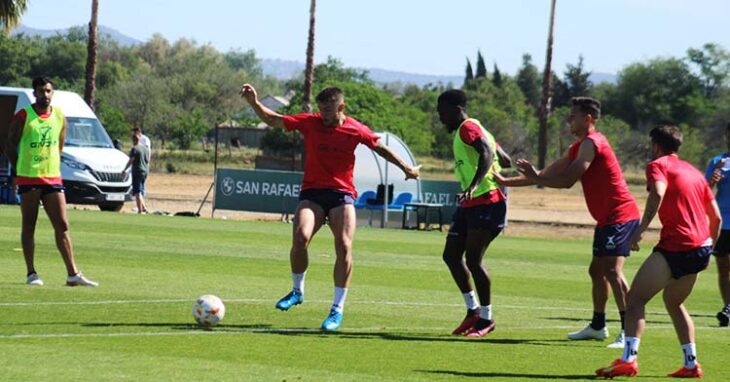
{"points": [[113, 34], [598, 78], [287, 69]]}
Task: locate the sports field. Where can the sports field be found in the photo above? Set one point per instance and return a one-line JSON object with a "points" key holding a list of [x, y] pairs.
{"points": [[137, 325]]}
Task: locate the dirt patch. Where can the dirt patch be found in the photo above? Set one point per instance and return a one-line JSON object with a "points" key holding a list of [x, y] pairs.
{"points": [[532, 211]]}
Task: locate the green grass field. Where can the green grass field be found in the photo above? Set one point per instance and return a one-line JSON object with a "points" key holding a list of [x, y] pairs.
{"points": [[137, 325]]}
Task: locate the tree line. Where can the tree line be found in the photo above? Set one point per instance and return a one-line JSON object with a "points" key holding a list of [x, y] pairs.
{"points": [[177, 91]]}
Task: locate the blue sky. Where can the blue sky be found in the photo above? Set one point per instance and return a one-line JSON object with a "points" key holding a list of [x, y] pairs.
{"points": [[424, 36]]}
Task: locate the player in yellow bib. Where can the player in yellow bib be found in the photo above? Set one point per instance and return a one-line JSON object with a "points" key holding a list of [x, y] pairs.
{"points": [[481, 213], [34, 147]]}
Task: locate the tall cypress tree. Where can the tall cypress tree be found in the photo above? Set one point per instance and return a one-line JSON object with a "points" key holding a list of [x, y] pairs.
{"points": [[469, 72], [481, 66], [497, 76]]}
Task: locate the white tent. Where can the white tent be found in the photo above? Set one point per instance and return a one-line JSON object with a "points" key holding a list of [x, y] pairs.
{"points": [[371, 170]]}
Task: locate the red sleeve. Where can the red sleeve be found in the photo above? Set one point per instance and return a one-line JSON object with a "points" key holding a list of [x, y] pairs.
{"points": [[20, 116], [367, 136], [470, 132], [297, 121], [655, 173]]}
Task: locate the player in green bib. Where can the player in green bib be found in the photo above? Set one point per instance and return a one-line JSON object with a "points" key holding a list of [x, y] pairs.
{"points": [[34, 147], [480, 216]]}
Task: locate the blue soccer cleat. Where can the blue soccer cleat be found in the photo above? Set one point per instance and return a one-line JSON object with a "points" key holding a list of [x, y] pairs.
{"points": [[291, 299], [333, 321]]}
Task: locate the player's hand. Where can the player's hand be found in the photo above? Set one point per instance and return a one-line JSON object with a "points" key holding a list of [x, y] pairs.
{"points": [[248, 93], [466, 195], [525, 168], [635, 239], [413, 172], [716, 176]]}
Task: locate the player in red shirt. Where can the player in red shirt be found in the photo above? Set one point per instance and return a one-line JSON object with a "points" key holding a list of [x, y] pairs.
{"points": [[328, 191], [592, 160], [684, 200]]}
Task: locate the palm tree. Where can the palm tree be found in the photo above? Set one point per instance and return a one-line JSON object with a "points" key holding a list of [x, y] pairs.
{"points": [[546, 94], [10, 13], [309, 69], [91, 56]]}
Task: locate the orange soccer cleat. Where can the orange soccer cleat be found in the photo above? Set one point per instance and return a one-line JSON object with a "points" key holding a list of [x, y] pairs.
{"points": [[618, 368], [472, 316], [688, 373]]}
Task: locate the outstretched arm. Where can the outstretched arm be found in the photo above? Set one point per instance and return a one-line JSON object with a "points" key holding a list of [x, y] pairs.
{"points": [[385, 152], [556, 167], [267, 115], [562, 179], [656, 194]]}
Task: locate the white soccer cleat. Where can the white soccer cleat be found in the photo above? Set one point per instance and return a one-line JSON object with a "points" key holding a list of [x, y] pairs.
{"points": [[34, 279], [80, 280], [589, 333], [619, 342]]}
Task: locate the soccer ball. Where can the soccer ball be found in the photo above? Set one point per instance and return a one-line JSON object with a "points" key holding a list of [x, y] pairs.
{"points": [[208, 310]]}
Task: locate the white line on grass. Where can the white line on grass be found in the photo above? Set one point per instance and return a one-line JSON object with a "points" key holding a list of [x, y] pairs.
{"points": [[268, 301], [350, 330]]}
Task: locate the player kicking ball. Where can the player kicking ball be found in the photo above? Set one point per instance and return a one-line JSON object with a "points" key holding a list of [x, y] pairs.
{"points": [[685, 203]]}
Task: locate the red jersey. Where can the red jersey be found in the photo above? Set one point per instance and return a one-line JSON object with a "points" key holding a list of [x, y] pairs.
{"points": [[470, 132], [330, 151], [682, 212], [604, 187], [26, 181]]}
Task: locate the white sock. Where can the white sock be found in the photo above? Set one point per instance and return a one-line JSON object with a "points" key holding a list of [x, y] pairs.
{"points": [[486, 312], [631, 349], [470, 299], [297, 280], [690, 355], [340, 295]]}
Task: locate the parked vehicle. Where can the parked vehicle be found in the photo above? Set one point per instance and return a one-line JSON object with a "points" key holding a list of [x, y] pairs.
{"points": [[90, 165]]}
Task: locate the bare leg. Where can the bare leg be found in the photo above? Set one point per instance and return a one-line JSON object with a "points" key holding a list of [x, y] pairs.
{"points": [[141, 207], [599, 284], [613, 272], [307, 221], [29, 214], [477, 242], [674, 295], [454, 258], [723, 275], [55, 206], [343, 223], [652, 277]]}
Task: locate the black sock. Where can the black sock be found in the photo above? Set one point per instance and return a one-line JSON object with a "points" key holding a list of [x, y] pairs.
{"points": [[599, 321], [31, 273], [623, 318]]}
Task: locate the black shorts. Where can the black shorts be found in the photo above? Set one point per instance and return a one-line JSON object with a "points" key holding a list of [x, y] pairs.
{"points": [[326, 198], [139, 181], [686, 262], [44, 188], [614, 239], [722, 247], [490, 217]]}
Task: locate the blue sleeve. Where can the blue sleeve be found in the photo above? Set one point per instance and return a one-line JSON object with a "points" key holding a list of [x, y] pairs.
{"points": [[711, 167]]}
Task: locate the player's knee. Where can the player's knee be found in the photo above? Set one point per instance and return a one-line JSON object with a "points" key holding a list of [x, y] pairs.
{"points": [[301, 240], [473, 264]]}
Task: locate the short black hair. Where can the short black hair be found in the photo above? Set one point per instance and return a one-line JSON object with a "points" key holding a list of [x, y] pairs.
{"points": [[587, 105], [41, 82], [669, 138], [453, 97], [330, 94]]}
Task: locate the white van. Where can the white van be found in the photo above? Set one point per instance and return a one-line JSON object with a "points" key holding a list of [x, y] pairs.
{"points": [[90, 165]]}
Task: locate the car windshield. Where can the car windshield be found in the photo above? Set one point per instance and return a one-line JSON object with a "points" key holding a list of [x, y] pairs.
{"points": [[86, 132]]}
